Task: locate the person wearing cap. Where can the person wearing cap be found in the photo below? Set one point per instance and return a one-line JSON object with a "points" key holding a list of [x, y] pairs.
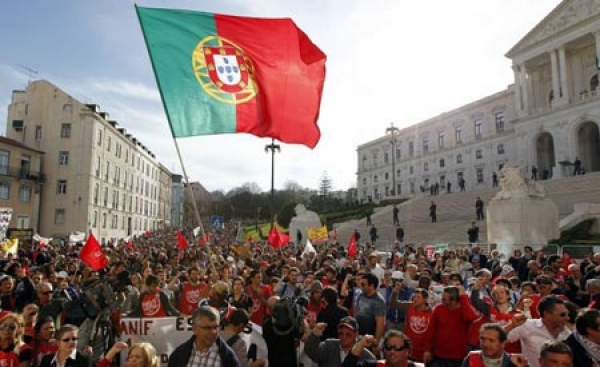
{"points": [[332, 352], [395, 318], [396, 348]]}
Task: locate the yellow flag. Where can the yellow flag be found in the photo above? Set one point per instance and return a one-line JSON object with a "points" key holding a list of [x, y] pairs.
{"points": [[11, 246]]}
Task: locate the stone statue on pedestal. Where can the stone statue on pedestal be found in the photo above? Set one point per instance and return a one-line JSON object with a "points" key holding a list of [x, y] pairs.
{"points": [[303, 220]]}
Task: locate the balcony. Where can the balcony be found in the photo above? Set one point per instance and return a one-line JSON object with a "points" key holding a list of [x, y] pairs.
{"points": [[22, 174]]}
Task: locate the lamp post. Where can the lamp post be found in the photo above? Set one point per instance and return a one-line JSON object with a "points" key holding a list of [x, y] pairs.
{"points": [[393, 131], [273, 148]]}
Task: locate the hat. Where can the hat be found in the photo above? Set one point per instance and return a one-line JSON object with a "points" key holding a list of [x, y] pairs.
{"points": [[398, 275], [62, 275], [4, 276], [349, 322], [507, 269]]}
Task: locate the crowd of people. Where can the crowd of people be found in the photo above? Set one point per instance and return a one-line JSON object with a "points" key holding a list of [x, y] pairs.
{"points": [[313, 306]]}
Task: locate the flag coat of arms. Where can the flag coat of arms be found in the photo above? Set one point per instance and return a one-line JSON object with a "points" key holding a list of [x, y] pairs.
{"points": [[220, 74]]}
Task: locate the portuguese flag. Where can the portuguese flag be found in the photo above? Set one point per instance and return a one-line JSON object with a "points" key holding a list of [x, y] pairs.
{"points": [[220, 74]]}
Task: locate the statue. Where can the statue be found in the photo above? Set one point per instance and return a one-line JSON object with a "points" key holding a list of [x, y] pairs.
{"points": [[513, 185], [303, 220]]}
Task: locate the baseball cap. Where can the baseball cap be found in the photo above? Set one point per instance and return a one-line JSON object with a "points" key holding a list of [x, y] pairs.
{"points": [[397, 275], [62, 275], [349, 322], [507, 269]]}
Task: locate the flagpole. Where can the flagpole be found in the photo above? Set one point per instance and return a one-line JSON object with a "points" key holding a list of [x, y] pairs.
{"points": [[273, 148]]}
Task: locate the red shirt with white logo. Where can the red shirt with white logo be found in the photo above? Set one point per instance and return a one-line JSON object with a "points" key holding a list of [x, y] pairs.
{"points": [[151, 305], [190, 297]]}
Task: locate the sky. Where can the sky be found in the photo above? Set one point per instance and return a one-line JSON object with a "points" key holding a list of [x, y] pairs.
{"points": [[388, 61]]}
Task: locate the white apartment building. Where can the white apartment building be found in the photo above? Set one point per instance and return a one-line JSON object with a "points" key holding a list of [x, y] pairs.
{"points": [[546, 119], [99, 177]]}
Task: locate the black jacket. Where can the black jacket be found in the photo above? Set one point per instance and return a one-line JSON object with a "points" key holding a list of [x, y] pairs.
{"points": [[580, 356], [81, 360], [182, 354]]}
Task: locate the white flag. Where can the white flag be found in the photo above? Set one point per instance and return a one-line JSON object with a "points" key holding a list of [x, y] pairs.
{"points": [[196, 231], [308, 249]]}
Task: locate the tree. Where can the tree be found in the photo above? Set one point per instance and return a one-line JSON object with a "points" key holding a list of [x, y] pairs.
{"points": [[325, 185], [285, 215]]}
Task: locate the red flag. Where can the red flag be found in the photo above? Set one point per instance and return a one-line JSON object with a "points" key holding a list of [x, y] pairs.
{"points": [[42, 245], [92, 254], [129, 245], [277, 239], [181, 241], [352, 250]]}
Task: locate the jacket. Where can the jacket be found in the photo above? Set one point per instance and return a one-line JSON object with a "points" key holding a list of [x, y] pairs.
{"points": [[505, 360], [327, 353], [580, 356], [182, 354], [81, 360]]}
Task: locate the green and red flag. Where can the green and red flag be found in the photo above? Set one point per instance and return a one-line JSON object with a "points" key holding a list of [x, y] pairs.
{"points": [[220, 74]]}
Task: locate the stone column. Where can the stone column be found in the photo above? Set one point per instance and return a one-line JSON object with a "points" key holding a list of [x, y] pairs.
{"points": [[524, 87], [564, 80], [518, 101], [555, 77]]}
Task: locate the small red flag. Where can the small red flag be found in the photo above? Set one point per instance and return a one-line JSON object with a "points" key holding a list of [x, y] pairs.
{"points": [[181, 241], [352, 250], [277, 239], [129, 245], [92, 254]]}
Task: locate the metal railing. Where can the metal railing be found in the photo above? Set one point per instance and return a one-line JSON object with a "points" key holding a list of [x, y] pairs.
{"points": [[23, 174]]}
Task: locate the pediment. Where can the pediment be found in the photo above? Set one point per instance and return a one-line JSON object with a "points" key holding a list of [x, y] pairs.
{"points": [[564, 16]]}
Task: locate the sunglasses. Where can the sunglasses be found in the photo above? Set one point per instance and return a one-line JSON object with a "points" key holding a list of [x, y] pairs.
{"points": [[46, 293], [396, 348], [67, 340], [11, 327]]}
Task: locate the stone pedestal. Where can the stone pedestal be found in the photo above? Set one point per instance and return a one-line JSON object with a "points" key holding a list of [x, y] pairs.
{"points": [[303, 220], [521, 220]]}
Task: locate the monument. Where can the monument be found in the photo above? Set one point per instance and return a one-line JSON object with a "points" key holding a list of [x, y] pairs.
{"points": [[520, 214], [303, 220]]}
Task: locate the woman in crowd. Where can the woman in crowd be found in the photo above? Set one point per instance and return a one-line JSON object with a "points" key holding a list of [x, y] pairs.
{"points": [[15, 351], [67, 354], [43, 342], [140, 355]]}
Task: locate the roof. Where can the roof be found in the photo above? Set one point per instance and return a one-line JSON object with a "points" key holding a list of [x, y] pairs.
{"points": [[14, 143]]}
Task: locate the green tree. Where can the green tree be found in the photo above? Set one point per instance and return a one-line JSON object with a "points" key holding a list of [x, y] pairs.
{"points": [[285, 215]]}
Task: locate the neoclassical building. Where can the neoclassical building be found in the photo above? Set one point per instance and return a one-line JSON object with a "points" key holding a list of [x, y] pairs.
{"points": [[98, 176], [546, 119]]}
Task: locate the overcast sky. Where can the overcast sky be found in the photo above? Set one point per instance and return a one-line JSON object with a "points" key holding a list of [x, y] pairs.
{"points": [[388, 61]]}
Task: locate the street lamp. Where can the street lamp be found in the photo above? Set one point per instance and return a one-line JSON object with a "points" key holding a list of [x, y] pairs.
{"points": [[273, 148], [393, 131]]}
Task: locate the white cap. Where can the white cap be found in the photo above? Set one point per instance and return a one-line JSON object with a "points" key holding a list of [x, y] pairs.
{"points": [[62, 274], [398, 275]]}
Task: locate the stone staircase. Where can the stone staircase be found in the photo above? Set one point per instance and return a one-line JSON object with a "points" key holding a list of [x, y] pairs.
{"points": [[456, 211]]}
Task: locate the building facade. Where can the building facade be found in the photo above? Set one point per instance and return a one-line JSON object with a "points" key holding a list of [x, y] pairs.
{"points": [[99, 177], [21, 181], [177, 201], [545, 121]]}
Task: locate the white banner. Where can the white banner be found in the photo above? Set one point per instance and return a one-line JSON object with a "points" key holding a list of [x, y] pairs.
{"points": [[167, 333], [5, 216]]}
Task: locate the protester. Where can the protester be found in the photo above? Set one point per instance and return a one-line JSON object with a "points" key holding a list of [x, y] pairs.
{"points": [[492, 338], [556, 354], [139, 355], [67, 337], [396, 349]]}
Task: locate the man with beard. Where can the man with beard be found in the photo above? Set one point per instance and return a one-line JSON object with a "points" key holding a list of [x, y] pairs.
{"points": [[189, 292]]}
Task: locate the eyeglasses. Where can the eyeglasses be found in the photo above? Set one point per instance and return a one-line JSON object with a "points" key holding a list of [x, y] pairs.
{"points": [[396, 348], [11, 327], [72, 339]]}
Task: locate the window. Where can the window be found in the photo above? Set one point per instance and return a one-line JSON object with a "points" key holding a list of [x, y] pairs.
{"points": [[65, 131], [96, 193], [63, 158], [500, 149], [103, 220], [59, 216], [425, 145], [399, 189], [478, 128], [386, 157], [398, 173], [458, 135], [443, 181], [499, 117], [441, 140], [411, 149], [61, 187], [99, 137], [105, 196], [442, 163], [108, 144], [94, 219], [375, 179], [459, 158], [411, 170], [364, 181], [25, 194], [106, 174], [4, 190], [412, 187], [38, 132], [426, 166], [479, 175], [4, 159], [68, 108], [478, 154], [387, 176], [398, 153]]}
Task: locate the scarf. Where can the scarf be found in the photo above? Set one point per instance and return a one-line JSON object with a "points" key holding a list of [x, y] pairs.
{"points": [[592, 349]]}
